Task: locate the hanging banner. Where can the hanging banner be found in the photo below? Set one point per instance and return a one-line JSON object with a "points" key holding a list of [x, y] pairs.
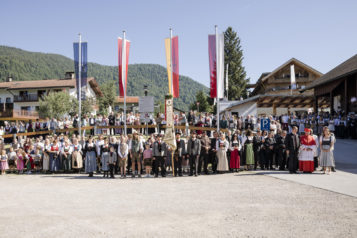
{"points": [[169, 138], [84, 66], [216, 65], [212, 65], [123, 62], [168, 63], [175, 67], [172, 57], [220, 66]]}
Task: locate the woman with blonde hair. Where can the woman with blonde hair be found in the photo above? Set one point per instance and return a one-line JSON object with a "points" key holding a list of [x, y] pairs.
{"points": [[327, 142]]}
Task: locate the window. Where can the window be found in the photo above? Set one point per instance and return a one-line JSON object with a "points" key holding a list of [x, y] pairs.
{"points": [[41, 93], [8, 100]]}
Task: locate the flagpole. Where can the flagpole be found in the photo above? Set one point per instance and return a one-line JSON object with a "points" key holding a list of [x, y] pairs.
{"points": [[80, 84], [217, 98], [123, 54]]}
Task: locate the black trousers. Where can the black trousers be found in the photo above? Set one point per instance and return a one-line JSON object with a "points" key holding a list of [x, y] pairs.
{"points": [[111, 170], [194, 159], [256, 159], [204, 158], [293, 163], [214, 161], [262, 159], [269, 158], [281, 157], [178, 165], [159, 162]]}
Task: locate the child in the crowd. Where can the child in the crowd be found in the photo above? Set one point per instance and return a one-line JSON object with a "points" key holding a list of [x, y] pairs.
{"points": [[37, 159], [21, 156], [147, 159], [3, 159], [112, 160], [29, 163], [12, 158], [123, 155]]}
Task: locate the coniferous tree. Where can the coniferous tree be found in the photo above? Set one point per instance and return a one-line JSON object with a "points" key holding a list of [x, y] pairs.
{"points": [[233, 56]]}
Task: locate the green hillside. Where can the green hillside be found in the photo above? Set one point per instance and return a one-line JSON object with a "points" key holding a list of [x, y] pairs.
{"points": [[24, 65]]}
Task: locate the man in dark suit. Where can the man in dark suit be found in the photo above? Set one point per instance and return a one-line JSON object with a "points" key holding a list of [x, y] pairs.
{"points": [[111, 119], [257, 146], [159, 153], [178, 154], [193, 151], [281, 150], [92, 123], [205, 147], [213, 152], [292, 144]]}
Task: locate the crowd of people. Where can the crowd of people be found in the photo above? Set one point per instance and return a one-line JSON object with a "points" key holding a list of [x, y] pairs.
{"points": [[292, 143]]}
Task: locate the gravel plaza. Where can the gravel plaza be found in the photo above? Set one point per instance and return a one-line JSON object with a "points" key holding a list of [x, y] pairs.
{"points": [[247, 204]]}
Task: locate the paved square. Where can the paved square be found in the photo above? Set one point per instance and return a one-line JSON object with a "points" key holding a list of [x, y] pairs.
{"points": [[253, 204]]}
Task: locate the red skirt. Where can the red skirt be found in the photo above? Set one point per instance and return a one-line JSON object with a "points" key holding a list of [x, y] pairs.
{"points": [[235, 160], [306, 166]]}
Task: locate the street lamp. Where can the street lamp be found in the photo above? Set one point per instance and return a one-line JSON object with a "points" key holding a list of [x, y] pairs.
{"points": [[198, 106]]}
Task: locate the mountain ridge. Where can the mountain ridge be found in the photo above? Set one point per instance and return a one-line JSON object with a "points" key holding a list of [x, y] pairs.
{"points": [[27, 65]]}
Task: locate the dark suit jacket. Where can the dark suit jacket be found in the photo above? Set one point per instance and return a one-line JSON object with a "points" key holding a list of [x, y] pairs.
{"points": [[290, 145]]}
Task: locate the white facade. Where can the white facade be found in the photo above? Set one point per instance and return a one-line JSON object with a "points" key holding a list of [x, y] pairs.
{"points": [[245, 109], [11, 97]]}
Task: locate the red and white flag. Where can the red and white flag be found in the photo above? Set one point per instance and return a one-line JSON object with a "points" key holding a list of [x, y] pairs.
{"points": [[123, 62], [172, 61], [216, 65]]}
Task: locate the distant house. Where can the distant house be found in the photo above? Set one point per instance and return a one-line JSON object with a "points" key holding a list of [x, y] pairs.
{"points": [[272, 93], [20, 99], [132, 103]]}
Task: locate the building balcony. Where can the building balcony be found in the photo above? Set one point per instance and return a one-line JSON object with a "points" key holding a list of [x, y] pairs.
{"points": [[26, 98], [19, 114]]}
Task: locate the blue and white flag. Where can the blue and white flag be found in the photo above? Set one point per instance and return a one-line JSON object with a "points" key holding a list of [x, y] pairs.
{"points": [[84, 66]]}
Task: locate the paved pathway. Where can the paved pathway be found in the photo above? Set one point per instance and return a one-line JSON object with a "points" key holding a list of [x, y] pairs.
{"points": [[343, 181]]}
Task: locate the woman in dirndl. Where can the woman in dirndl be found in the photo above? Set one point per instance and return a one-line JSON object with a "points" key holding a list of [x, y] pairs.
{"points": [[90, 157], [104, 150], [77, 161], [248, 150], [66, 154], [234, 162], [326, 156], [222, 147]]}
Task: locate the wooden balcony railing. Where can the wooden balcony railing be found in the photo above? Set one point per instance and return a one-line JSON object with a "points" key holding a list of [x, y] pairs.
{"points": [[26, 98]]}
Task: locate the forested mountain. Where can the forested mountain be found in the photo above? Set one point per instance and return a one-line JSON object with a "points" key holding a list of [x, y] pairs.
{"points": [[24, 65]]}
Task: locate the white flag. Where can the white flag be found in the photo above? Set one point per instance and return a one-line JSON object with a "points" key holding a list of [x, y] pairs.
{"points": [[220, 66], [292, 75]]}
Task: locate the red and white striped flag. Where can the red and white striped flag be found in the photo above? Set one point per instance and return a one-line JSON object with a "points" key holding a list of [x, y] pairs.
{"points": [[123, 62]]}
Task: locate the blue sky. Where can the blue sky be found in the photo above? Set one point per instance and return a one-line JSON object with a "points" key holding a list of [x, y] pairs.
{"points": [[320, 33]]}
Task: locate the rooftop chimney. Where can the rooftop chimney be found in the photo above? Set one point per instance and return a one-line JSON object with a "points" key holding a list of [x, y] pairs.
{"points": [[9, 79]]}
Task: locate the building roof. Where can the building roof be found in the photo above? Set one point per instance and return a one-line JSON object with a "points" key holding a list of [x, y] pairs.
{"points": [[129, 99], [267, 75], [279, 100], [49, 83], [346, 68]]}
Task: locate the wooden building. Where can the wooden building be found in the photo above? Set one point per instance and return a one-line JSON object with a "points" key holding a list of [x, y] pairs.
{"points": [[272, 93], [338, 87]]}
